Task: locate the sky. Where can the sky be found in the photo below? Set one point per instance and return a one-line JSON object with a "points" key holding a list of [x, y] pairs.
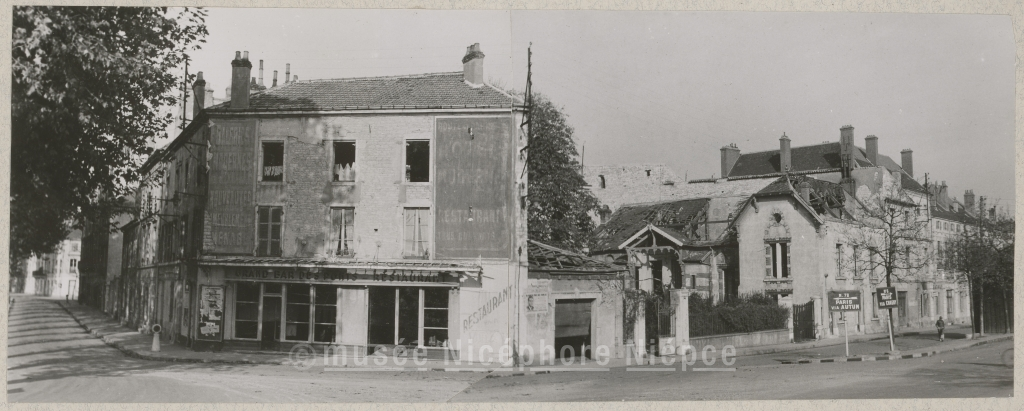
{"points": [[674, 87]]}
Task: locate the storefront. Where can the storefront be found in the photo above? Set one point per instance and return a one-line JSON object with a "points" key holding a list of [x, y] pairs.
{"points": [[357, 308]]}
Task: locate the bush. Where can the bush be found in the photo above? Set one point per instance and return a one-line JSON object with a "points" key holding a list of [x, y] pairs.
{"points": [[743, 314]]}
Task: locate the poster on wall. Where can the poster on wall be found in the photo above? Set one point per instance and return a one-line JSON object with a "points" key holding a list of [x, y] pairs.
{"points": [[211, 313], [229, 207], [475, 173]]}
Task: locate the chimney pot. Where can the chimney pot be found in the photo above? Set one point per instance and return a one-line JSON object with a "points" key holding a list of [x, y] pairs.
{"points": [[287, 72], [245, 55], [473, 65], [261, 73], [275, 79], [240, 73], [871, 145], [295, 78]]}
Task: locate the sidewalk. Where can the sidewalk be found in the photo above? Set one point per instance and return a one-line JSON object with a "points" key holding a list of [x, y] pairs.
{"points": [[871, 347]]}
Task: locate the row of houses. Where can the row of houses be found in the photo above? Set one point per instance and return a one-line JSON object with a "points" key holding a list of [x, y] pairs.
{"points": [[794, 223], [53, 274]]}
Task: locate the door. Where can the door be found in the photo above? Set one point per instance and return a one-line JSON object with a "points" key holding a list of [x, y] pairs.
{"points": [[901, 304], [382, 316], [572, 328], [270, 334], [803, 322]]}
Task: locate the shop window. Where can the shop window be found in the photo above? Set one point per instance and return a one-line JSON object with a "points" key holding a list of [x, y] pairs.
{"points": [[273, 161], [247, 310], [344, 161], [435, 317], [417, 161], [269, 231], [417, 233], [325, 312], [777, 259], [297, 299], [342, 222]]}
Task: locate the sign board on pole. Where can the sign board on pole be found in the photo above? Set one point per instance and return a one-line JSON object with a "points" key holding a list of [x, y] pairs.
{"points": [[844, 300], [886, 297]]}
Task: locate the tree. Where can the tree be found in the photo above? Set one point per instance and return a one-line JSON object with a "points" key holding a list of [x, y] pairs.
{"points": [[890, 236], [559, 201], [89, 94], [982, 256]]}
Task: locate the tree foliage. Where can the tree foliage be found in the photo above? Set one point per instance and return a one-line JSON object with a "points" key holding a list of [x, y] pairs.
{"points": [[559, 201], [89, 94], [982, 256]]}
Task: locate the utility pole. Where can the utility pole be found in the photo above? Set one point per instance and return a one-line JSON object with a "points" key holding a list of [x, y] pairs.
{"points": [[184, 96]]}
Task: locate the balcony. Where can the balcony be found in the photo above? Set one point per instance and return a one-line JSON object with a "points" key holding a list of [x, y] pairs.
{"points": [[778, 285]]}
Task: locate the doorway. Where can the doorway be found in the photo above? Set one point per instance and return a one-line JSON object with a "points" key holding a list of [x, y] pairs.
{"points": [[573, 329], [270, 335]]}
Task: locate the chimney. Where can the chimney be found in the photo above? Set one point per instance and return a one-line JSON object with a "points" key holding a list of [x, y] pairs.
{"points": [[208, 100], [846, 158], [295, 78], [981, 206], [908, 161], [275, 79], [473, 66], [992, 213], [261, 73], [253, 86], [785, 160], [730, 154], [240, 70], [871, 145], [287, 72], [198, 95], [969, 200], [805, 191]]}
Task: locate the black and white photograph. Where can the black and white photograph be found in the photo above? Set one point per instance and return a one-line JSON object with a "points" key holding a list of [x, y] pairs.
{"points": [[325, 205]]}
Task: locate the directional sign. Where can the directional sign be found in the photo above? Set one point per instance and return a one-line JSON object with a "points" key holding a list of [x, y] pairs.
{"points": [[844, 300], [886, 297]]}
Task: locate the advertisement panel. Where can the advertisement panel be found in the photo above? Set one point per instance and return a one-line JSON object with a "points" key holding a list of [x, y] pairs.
{"points": [[211, 313], [474, 172], [229, 208]]}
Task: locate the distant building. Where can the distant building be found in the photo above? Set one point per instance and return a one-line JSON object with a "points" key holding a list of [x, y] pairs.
{"points": [[56, 274]]}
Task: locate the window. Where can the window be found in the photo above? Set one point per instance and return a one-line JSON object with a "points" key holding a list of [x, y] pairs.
{"points": [[417, 232], [435, 316], [341, 231], [949, 302], [777, 259], [273, 161], [247, 310], [325, 312], [297, 298], [874, 305], [417, 161], [344, 161], [856, 256], [600, 181], [269, 231], [839, 261]]}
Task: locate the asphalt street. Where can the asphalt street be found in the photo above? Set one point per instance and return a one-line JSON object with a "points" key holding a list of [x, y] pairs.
{"points": [[52, 359]]}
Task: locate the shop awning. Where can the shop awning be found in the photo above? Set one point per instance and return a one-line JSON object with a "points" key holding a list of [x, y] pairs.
{"points": [[278, 262]]}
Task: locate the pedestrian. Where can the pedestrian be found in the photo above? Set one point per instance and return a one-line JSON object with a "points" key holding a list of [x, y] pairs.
{"points": [[941, 325]]}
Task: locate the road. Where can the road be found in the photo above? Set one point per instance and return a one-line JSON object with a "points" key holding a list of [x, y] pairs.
{"points": [[52, 359]]}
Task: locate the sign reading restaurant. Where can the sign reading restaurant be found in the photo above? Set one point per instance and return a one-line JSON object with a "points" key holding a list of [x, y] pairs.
{"points": [[844, 300], [340, 275]]}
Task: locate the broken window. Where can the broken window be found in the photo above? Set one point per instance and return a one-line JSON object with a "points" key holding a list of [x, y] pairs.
{"points": [[273, 161], [342, 221], [417, 161], [417, 232], [344, 161], [269, 231]]}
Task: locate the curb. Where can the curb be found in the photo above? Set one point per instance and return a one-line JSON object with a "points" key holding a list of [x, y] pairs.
{"points": [[135, 354], [899, 357]]}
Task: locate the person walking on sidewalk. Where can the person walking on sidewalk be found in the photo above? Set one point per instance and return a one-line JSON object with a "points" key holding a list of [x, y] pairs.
{"points": [[941, 325]]}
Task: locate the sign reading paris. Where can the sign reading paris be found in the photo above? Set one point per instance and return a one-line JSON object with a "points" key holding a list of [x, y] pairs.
{"points": [[844, 301]]}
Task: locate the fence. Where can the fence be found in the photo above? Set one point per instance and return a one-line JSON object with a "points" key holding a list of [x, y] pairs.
{"points": [[743, 314]]}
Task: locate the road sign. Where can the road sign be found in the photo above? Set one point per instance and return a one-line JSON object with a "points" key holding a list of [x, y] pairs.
{"points": [[844, 300], [886, 297]]}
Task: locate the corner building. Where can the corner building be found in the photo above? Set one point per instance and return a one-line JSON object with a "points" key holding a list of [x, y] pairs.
{"points": [[360, 215]]}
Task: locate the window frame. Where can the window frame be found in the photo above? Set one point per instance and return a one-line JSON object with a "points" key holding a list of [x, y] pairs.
{"points": [[333, 158], [429, 247], [280, 239], [262, 158], [430, 161], [332, 241], [776, 250]]}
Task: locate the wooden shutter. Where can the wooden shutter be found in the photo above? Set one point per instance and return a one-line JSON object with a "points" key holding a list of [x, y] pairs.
{"points": [[768, 263]]}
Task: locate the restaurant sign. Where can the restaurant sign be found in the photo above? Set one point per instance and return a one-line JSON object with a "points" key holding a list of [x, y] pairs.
{"points": [[339, 275]]}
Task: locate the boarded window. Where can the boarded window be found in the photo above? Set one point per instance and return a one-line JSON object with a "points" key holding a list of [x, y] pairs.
{"points": [[344, 161], [342, 222], [417, 161], [273, 161], [269, 231], [417, 232]]}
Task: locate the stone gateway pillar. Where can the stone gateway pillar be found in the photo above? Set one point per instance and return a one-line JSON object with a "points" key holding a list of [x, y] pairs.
{"points": [[681, 301]]}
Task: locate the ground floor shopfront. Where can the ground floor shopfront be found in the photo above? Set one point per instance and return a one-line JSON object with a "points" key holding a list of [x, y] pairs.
{"points": [[432, 310]]}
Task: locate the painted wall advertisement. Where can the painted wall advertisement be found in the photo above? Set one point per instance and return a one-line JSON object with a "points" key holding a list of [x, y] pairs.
{"points": [[229, 208], [211, 313], [474, 175]]}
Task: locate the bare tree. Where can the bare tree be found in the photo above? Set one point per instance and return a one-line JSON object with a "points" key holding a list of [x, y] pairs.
{"points": [[890, 235], [982, 256]]}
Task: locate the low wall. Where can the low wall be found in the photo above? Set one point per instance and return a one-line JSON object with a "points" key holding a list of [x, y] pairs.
{"points": [[754, 339]]}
